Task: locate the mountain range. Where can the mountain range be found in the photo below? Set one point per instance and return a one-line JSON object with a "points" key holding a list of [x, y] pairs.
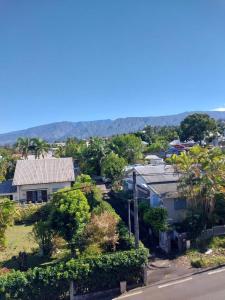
{"points": [[60, 131]]}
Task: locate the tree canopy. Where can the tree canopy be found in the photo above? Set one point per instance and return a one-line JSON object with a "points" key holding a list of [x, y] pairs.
{"points": [[197, 127]]}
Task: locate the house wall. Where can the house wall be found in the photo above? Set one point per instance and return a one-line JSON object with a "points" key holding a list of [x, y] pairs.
{"points": [[174, 215], [50, 187]]}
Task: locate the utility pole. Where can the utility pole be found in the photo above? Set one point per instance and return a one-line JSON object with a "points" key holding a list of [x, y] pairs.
{"points": [[136, 222], [129, 220]]}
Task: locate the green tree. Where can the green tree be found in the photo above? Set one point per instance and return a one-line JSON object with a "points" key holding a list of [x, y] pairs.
{"points": [[127, 146], [113, 167], [197, 127], [7, 209], [39, 147], [70, 213], [202, 178], [92, 156], [23, 146]]}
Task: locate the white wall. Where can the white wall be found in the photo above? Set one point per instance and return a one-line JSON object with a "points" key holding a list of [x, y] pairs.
{"points": [[50, 187]]}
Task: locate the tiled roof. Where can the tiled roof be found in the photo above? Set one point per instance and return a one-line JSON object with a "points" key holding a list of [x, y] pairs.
{"points": [[6, 187], [43, 171]]}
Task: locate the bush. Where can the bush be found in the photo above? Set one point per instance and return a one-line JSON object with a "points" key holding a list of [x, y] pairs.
{"points": [[156, 218], [28, 214], [44, 236], [90, 274]]}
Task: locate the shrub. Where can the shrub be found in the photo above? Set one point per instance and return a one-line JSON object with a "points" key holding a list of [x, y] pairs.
{"points": [[90, 274], [102, 230], [125, 242], [44, 236], [6, 218], [28, 214], [156, 218]]}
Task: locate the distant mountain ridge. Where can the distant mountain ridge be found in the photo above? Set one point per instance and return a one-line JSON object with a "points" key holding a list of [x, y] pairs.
{"points": [[60, 131]]}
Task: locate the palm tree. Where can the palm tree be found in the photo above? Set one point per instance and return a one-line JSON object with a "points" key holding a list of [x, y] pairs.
{"points": [[203, 176], [40, 147], [23, 146]]}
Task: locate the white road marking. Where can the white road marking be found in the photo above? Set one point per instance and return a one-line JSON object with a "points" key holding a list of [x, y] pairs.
{"points": [[173, 283], [217, 271], [128, 295]]}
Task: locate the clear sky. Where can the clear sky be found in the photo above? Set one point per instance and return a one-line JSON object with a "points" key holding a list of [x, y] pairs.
{"points": [[72, 60]]}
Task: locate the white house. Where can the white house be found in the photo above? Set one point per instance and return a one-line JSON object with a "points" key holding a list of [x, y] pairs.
{"points": [[158, 184], [35, 180]]}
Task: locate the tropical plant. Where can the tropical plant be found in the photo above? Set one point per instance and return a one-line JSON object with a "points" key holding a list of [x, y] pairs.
{"points": [[23, 146], [39, 147], [202, 177]]}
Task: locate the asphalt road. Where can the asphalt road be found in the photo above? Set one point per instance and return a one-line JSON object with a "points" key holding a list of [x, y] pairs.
{"points": [[207, 286]]}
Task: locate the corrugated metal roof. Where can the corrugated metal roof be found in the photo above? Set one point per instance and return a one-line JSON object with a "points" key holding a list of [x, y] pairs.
{"points": [[43, 171], [158, 173], [166, 190], [6, 187]]}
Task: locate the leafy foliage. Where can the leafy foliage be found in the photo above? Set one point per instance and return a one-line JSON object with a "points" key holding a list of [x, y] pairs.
{"points": [[156, 218], [90, 274], [113, 167], [197, 127], [6, 218], [127, 146], [69, 215]]}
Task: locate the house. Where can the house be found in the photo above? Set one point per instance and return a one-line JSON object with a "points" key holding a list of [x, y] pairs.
{"points": [[154, 159], [158, 184], [35, 180]]}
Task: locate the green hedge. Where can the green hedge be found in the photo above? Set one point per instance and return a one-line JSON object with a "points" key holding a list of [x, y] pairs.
{"points": [[90, 274]]}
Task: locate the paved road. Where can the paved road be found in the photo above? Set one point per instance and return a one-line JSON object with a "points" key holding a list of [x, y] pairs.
{"points": [[205, 286]]}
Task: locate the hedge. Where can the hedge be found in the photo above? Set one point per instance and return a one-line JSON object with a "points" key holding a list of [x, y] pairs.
{"points": [[89, 274]]}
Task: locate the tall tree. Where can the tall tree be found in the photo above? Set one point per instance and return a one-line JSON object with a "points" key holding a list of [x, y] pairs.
{"points": [[202, 177], [113, 167], [93, 156], [23, 146], [39, 147], [127, 146], [197, 127]]}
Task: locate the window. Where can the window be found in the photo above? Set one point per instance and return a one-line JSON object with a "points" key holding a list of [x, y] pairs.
{"points": [[180, 204]]}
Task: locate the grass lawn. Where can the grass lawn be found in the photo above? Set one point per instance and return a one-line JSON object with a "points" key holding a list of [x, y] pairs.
{"points": [[18, 238]]}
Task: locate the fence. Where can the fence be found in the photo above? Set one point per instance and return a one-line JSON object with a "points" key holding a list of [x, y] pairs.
{"points": [[214, 231]]}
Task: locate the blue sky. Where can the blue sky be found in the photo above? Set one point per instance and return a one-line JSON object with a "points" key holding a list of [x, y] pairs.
{"points": [[75, 60]]}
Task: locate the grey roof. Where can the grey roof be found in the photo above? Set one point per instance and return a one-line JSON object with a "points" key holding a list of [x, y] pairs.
{"points": [[165, 190], [158, 173], [43, 171], [6, 187]]}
